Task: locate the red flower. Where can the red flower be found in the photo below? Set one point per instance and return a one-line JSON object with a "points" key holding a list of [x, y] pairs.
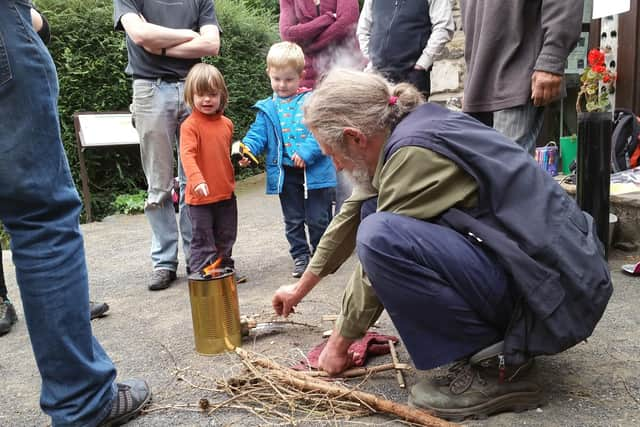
{"points": [[596, 83], [595, 57]]}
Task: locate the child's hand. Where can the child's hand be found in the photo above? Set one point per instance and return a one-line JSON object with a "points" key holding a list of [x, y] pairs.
{"points": [[297, 161], [202, 189], [244, 162]]}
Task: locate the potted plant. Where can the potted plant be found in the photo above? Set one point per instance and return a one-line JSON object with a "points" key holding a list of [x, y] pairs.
{"points": [[597, 82], [594, 141]]}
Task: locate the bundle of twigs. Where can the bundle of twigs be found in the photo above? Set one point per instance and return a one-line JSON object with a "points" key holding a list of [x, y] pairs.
{"points": [[275, 393]]}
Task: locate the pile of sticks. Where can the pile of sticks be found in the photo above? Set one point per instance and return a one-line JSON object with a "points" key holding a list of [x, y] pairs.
{"points": [[275, 393]]}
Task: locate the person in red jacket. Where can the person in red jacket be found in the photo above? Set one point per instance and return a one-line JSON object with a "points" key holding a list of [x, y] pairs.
{"points": [[325, 30], [205, 150]]}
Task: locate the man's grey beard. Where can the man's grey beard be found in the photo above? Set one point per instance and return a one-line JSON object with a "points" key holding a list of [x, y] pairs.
{"points": [[359, 177]]}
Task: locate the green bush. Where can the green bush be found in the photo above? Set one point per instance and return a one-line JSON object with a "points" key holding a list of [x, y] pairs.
{"points": [[4, 238], [90, 57], [130, 204], [247, 36], [273, 6]]}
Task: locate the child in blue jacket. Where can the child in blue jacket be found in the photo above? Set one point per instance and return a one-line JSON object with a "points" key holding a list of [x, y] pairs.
{"points": [[297, 171]]}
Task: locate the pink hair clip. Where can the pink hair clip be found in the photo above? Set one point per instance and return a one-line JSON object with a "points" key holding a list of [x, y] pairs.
{"points": [[393, 100]]}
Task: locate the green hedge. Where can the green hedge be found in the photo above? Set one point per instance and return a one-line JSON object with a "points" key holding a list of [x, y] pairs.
{"points": [[273, 6], [90, 57], [247, 35]]}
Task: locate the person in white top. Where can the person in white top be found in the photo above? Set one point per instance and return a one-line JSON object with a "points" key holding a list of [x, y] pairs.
{"points": [[402, 39]]}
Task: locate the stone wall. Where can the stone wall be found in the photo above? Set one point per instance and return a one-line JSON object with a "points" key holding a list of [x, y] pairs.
{"points": [[447, 76]]}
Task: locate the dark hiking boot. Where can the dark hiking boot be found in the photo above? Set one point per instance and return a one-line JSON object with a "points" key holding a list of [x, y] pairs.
{"points": [[300, 265], [133, 395], [475, 392], [491, 366], [161, 279], [478, 387], [98, 309], [492, 358], [7, 316]]}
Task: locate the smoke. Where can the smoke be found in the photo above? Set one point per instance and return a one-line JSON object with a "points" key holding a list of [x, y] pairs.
{"points": [[345, 54]]}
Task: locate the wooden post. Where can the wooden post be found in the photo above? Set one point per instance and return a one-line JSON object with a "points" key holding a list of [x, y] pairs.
{"points": [[84, 176]]}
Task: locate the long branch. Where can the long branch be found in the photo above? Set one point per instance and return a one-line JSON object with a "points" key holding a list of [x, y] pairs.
{"points": [[304, 382]]}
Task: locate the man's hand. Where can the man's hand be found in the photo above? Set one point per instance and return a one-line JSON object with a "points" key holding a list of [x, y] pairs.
{"points": [[184, 32], [207, 43], [545, 87], [297, 161], [285, 299], [335, 356], [288, 296], [202, 189]]}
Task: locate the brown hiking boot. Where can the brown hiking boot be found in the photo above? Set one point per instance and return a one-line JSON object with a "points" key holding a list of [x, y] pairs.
{"points": [[472, 391]]}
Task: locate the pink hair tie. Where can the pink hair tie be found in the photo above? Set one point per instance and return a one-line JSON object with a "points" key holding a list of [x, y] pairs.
{"points": [[393, 100]]}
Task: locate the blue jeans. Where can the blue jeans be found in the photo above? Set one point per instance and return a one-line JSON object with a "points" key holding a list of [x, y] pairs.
{"points": [[314, 210], [522, 124], [447, 297], [40, 208], [159, 110]]}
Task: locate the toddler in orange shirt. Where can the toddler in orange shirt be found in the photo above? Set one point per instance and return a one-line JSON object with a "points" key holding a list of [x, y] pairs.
{"points": [[205, 149]]}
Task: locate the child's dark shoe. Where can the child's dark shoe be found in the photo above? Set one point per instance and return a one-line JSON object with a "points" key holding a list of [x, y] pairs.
{"points": [[299, 266]]}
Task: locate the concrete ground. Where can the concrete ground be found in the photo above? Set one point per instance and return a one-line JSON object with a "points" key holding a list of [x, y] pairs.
{"points": [[149, 335]]}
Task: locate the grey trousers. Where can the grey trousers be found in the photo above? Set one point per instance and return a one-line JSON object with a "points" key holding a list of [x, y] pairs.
{"points": [[159, 110], [521, 124]]}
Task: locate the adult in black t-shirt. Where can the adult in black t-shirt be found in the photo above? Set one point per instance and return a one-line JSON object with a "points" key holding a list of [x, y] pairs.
{"points": [[164, 39]]}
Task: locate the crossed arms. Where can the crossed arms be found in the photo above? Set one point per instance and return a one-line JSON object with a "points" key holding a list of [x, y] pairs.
{"points": [[177, 43]]}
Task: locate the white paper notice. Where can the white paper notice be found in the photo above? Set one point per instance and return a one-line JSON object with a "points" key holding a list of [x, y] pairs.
{"points": [[602, 8]]}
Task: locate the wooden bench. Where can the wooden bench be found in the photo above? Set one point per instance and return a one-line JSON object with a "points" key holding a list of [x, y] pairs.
{"points": [[96, 130]]}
